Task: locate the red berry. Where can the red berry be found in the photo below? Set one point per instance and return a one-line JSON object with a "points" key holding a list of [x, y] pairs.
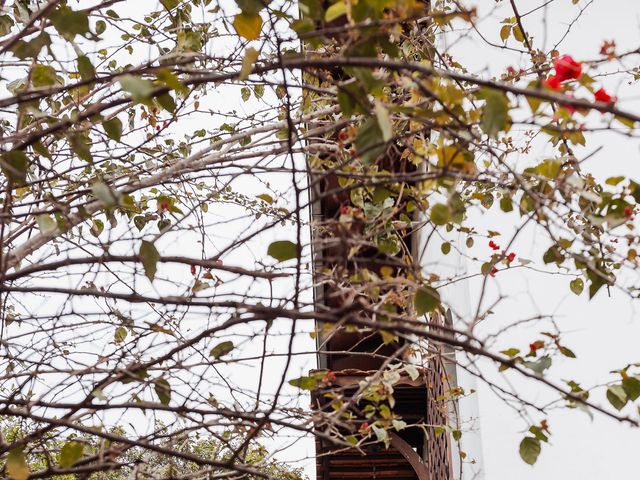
{"points": [[193, 269], [493, 245]]}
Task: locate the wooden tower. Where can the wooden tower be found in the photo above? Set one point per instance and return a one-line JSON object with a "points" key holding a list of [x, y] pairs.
{"points": [[354, 356]]}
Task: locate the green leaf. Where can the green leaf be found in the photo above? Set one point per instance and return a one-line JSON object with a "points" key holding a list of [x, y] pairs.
{"points": [[139, 88], [40, 149], [44, 76], [97, 227], [336, 10], [103, 193], [549, 168], [617, 396], [46, 224], [631, 387], [304, 383], [70, 23], [426, 300], [250, 57], [384, 121], [23, 50], [370, 141], [167, 77], [530, 449], [113, 128], [511, 352], [120, 335], [381, 434], [283, 250], [81, 147], [495, 114], [70, 453], [163, 390], [16, 465], [6, 22], [539, 366], [576, 285], [167, 102], [85, 68], [101, 26], [149, 257], [506, 205], [398, 424], [412, 371], [221, 349], [440, 214], [14, 167], [170, 4], [245, 93], [265, 197], [247, 25], [567, 352], [445, 248], [189, 41], [389, 244], [538, 433]]}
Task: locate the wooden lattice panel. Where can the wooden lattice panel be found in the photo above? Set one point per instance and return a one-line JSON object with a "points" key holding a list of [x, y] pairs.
{"points": [[417, 402], [438, 451]]}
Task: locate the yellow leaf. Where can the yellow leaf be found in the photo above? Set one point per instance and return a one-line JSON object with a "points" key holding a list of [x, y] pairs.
{"points": [[248, 26], [518, 34], [334, 11], [16, 465], [505, 31], [250, 57]]}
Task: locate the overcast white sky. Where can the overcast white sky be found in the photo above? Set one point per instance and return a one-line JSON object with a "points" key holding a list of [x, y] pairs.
{"points": [[604, 333]]}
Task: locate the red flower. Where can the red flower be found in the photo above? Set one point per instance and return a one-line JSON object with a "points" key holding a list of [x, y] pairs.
{"points": [[567, 68], [628, 211], [536, 345], [553, 82], [193, 269], [602, 96], [329, 377], [511, 257], [493, 271], [364, 427], [493, 245]]}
